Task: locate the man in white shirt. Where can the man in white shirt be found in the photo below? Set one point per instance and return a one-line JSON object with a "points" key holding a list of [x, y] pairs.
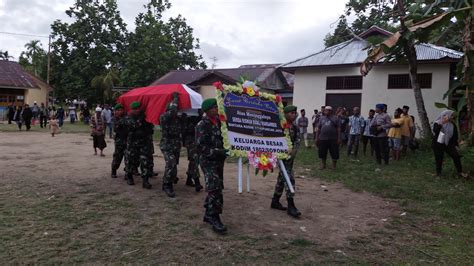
{"points": [[107, 117], [302, 124]]}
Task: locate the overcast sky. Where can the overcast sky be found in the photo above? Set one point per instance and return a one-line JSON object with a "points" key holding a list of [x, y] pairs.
{"points": [[237, 32]]}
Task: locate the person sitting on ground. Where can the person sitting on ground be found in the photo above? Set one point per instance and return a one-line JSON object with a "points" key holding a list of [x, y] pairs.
{"points": [[395, 134], [328, 137], [445, 140], [98, 134]]}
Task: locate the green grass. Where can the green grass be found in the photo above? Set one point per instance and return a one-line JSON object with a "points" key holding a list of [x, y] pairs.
{"points": [[78, 127], [440, 210]]}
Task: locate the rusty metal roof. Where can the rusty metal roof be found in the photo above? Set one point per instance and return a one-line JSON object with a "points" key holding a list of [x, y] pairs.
{"points": [[263, 74], [13, 76]]}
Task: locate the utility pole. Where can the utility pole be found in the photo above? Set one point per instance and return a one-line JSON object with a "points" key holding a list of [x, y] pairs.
{"points": [[48, 74], [214, 62]]}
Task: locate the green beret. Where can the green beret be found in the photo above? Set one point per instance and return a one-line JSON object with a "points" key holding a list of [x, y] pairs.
{"points": [[118, 106], [135, 105], [290, 108], [208, 104]]}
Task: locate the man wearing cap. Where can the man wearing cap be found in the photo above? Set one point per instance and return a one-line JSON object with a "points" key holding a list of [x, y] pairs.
{"points": [[120, 137], [170, 144], [138, 151], [328, 137], [378, 128], [212, 155], [97, 124], [290, 115]]}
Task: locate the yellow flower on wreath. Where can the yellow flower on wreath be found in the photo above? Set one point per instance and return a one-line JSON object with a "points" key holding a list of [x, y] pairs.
{"points": [[250, 92], [263, 160]]}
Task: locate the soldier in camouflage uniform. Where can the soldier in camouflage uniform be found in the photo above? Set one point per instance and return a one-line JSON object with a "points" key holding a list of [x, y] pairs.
{"points": [[120, 138], [290, 115], [189, 136], [212, 155], [139, 151], [170, 145]]}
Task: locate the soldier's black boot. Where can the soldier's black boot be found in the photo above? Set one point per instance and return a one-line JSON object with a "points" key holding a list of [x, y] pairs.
{"points": [[292, 210], [189, 182], [114, 173], [168, 189], [130, 180], [197, 185], [276, 204], [218, 226], [145, 183], [216, 223]]}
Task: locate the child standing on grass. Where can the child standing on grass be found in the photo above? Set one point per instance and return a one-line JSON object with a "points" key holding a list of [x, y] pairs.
{"points": [[395, 134], [53, 126]]}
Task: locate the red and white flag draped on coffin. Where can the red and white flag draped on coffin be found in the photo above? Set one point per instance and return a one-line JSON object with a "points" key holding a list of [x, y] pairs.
{"points": [[154, 99]]}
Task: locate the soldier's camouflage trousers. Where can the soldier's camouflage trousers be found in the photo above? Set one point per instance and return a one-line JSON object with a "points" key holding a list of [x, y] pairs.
{"points": [[193, 161], [281, 182], [139, 154], [171, 164], [214, 178], [119, 153]]}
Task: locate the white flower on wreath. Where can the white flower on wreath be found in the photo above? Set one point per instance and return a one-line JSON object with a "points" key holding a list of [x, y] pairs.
{"points": [[250, 84]]}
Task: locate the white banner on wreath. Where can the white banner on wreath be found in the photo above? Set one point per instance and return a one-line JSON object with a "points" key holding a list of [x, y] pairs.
{"points": [[245, 142]]}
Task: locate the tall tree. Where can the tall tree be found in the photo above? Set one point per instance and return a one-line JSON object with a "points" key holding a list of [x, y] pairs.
{"points": [[367, 13], [342, 33], [106, 82], [87, 47], [158, 46], [34, 59]]}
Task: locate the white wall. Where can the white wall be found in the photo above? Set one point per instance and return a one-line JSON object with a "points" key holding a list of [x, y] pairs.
{"points": [[310, 88]]}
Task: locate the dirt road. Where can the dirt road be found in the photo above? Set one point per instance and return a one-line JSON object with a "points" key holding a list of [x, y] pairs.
{"points": [[64, 169]]}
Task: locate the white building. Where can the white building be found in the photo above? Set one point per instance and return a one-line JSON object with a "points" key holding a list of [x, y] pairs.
{"points": [[332, 77]]}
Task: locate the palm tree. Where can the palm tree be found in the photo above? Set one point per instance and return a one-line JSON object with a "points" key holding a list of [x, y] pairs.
{"points": [[35, 54], [106, 82]]}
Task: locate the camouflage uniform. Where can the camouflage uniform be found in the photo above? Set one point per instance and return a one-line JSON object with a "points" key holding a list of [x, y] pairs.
{"points": [[121, 132], [281, 183], [170, 144], [139, 151], [211, 152], [190, 144]]}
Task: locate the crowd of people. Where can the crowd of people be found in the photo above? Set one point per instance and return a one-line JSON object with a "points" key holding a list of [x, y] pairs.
{"points": [[333, 130], [386, 136]]}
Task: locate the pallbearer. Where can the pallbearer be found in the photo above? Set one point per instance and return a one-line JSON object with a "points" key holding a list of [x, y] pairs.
{"points": [[210, 148], [170, 144], [138, 149], [290, 115], [189, 141], [120, 137]]}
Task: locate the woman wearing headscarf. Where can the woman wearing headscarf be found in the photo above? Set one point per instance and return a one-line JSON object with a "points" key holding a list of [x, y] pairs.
{"points": [[98, 133], [445, 139]]}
